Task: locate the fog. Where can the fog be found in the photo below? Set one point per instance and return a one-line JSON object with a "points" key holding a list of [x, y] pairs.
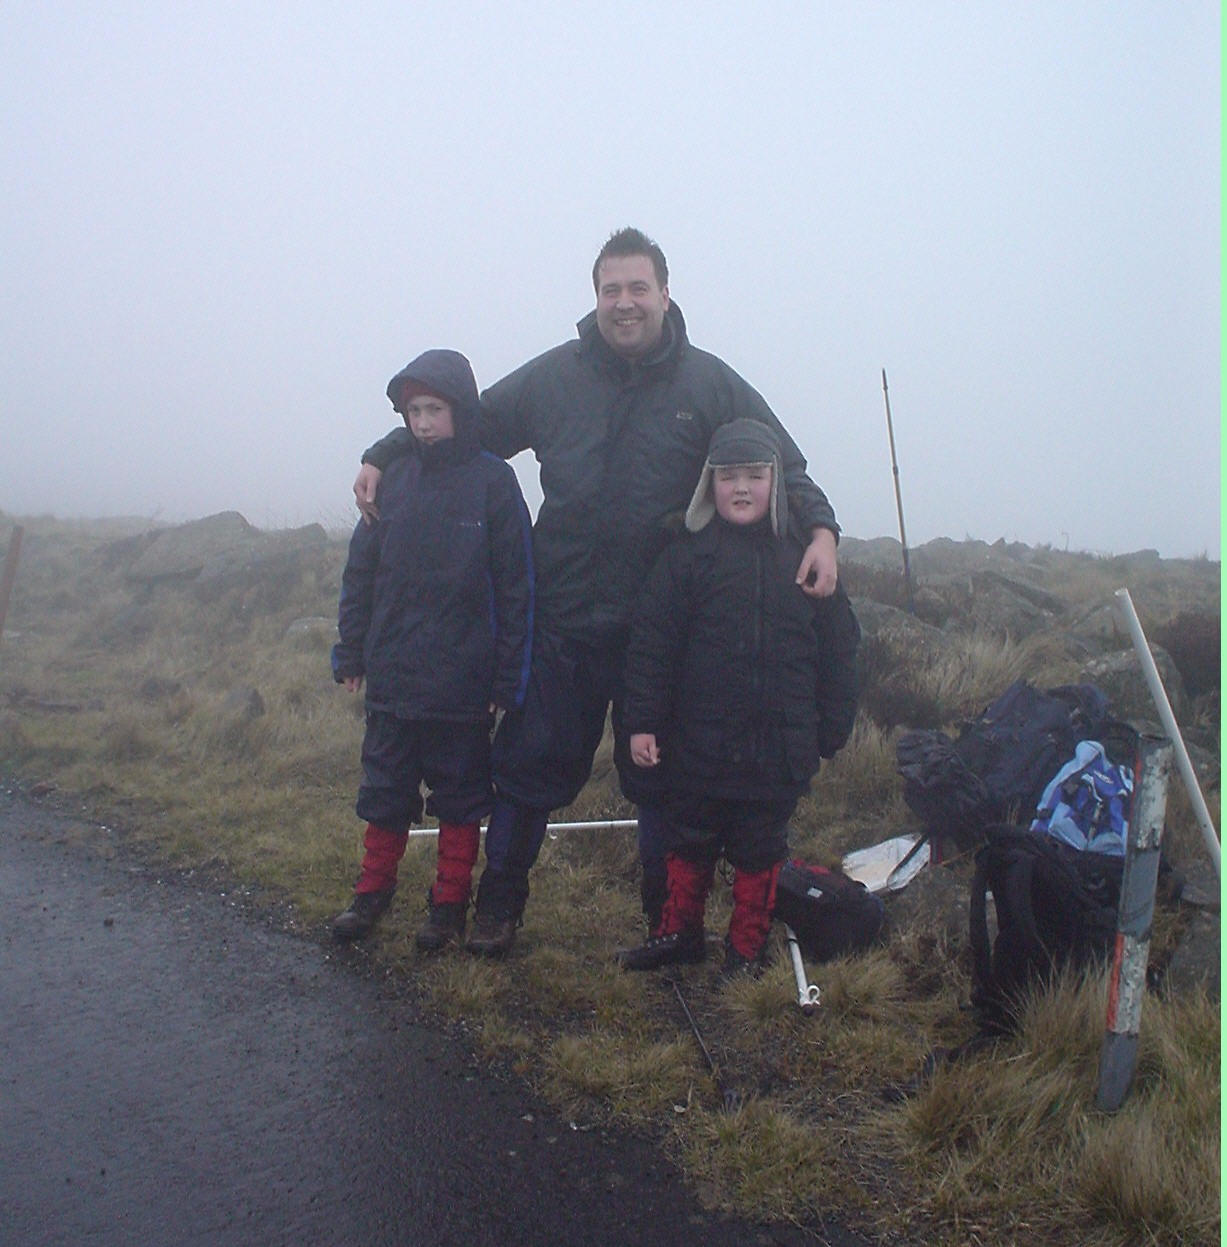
{"points": [[226, 226]]}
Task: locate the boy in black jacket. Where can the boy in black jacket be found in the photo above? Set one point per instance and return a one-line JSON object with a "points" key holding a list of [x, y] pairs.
{"points": [[737, 683], [436, 613]]}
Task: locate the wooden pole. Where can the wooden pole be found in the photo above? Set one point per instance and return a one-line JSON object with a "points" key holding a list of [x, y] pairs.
{"points": [[894, 467], [10, 572]]}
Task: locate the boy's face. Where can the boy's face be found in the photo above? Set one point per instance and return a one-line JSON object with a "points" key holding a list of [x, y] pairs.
{"points": [[429, 419], [743, 494]]}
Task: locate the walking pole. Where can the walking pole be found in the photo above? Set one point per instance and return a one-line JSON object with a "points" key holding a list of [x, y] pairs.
{"points": [[1127, 985], [729, 1098], [894, 467]]}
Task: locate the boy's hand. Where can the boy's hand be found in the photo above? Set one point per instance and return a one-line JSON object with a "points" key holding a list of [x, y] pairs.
{"points": [[643, 749], [352, 683], [819, 570], [366, 484]]}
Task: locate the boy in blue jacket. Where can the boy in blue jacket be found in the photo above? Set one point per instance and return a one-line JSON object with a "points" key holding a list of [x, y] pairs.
{"points": [[737, 684], [436, 615]]}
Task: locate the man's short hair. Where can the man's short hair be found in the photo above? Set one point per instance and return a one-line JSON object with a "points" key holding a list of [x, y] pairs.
{"points": [[630, 241]]}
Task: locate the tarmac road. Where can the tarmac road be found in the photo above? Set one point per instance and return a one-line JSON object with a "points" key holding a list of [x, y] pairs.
{"points": [[174, 1071]]}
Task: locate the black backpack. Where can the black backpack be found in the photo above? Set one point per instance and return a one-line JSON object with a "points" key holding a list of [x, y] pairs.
{"points": [[997, 769], [1056, 907], [830, 913]]}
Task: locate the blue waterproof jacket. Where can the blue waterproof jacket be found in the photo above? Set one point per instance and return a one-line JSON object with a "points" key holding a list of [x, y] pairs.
{"points": [[437, 595]]}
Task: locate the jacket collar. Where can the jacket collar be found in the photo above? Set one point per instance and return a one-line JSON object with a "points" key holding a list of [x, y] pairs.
{"points": [[673, 340]]}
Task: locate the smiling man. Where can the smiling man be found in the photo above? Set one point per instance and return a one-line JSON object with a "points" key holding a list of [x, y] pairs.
{"points": [[620, 420]]}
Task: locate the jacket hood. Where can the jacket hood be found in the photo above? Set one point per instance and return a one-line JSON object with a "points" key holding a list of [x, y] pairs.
{"points": [[449, 375], [735, 445]]}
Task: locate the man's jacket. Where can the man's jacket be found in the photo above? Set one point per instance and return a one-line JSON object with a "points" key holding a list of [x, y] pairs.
{"points": [[621, 446]]}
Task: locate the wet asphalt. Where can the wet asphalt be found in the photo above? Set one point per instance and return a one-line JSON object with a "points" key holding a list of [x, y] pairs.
{"points": [[177, 1070]]}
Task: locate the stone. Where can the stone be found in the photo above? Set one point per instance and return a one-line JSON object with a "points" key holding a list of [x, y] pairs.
{"points": [[181, 553]]}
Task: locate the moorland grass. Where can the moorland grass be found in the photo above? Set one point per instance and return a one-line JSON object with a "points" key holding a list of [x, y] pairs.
{"points": [[125, 698]]}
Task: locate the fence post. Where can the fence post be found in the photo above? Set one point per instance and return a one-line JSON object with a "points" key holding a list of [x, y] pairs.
{"points": [[10, 572], [1127, 985]]}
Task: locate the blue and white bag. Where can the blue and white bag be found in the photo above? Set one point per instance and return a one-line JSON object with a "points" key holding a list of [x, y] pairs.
{"points": [[1086, 803]]}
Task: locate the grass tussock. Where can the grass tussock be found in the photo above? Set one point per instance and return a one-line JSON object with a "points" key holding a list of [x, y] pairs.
{"points": [[1013, 1135], [211, 731], [763, 1161]]}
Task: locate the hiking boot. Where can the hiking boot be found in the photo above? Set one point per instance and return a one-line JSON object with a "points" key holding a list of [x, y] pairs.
{"points": [[685, 947], [444, 925], [491, 937], [738, 965], [364, 911]]}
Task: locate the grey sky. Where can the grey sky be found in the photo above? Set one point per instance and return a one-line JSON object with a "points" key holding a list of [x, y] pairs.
{"points": [[225, 226]]}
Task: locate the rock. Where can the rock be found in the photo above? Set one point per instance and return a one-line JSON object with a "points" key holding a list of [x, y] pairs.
{"points": [[1119, 676], [260, 558], [1101, 628], [181, 553], [243, 704], [1196, 961]]}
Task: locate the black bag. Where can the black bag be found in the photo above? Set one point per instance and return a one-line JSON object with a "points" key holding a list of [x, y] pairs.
{"points": [[997, 769], [1056, 907], [830, 913]]}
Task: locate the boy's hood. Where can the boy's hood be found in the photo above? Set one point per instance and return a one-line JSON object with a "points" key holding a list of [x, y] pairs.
{"points": [[738, 444], [449, 375]]}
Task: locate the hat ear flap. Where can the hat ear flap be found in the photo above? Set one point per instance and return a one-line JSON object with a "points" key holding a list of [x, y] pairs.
{"points": [[702, 504], [779, 500]]}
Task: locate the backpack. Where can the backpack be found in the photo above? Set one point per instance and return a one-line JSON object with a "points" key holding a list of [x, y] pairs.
{"points": [[829, 913], [1056, 907], [997, 769]]}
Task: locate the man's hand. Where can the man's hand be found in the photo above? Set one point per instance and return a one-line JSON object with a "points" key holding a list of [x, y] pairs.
{"points": [[819, 568], [643, 749], [352, 683], [365, 486]]}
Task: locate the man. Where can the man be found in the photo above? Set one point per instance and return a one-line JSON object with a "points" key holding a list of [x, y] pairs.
{"points": [[620, 421]]}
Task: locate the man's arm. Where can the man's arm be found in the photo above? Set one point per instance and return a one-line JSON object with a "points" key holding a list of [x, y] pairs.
{"points": [[374, 460]]}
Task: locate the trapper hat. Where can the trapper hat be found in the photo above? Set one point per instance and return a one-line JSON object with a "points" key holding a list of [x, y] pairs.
{"points": [[739, 444]]}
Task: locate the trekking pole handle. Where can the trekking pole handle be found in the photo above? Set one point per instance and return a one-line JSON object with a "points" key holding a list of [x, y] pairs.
{"points": [[809, 997]]}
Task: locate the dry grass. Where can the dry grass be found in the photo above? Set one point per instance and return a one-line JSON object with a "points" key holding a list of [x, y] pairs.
{"points": [[127, 699]]}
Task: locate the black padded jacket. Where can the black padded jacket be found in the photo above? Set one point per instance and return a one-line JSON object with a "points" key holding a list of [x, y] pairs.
{"points": [[745, 680]]}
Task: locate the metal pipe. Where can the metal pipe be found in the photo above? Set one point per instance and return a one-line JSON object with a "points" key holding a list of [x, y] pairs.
{"points": [[613, 824], [809, 997], [1127, 985], [1171, 727]]}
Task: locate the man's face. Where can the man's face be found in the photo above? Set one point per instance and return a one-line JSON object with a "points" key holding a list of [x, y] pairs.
{"points": [[429, 419], [630, 304], [742, 494]]}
